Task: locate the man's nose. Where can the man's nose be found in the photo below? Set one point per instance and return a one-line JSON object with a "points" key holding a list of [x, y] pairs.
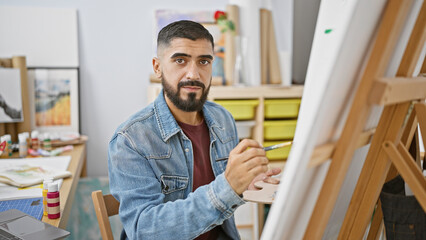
{"points": [[192, 72]]}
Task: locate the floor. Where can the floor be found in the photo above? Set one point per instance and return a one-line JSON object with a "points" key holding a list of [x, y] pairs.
{"points": [[82, 222]]}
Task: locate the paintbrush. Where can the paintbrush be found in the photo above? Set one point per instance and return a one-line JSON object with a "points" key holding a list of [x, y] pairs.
{"points": [[279, 145]]}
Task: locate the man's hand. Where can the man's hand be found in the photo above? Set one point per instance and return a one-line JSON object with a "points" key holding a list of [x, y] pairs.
{"points": [[245, 164], [266, 177]]}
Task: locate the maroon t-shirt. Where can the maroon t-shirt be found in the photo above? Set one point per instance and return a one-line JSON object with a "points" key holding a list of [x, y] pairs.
{"points": [[203, 172]]}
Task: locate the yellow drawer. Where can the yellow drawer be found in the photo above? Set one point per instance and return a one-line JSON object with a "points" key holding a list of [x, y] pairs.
{"points": [[240, 109], [281, 108], [276, 130], [279, 153]]}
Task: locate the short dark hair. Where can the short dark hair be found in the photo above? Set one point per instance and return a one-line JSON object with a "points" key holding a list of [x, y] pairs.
{"points": [[183, 29]]}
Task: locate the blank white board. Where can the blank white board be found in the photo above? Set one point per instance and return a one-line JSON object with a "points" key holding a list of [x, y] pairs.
{"points": [[342, 40], [47, 37]]}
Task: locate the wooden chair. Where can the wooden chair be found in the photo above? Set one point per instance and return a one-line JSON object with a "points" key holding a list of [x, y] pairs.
{"points": [[105, 206]]}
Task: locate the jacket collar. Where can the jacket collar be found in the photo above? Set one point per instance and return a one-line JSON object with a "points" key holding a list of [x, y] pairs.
{"points": [[167, 122]]}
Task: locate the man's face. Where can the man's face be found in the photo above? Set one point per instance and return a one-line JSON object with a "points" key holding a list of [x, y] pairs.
{"points": [[185, 69]]}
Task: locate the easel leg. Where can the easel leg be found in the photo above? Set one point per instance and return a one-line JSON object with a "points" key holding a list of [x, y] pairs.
{"points": [[410, 128], [376, 224], [407, 138], [369, 185], [420, 109], [408, 169]]}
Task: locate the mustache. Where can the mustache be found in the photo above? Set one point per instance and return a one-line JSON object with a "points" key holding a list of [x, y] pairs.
{"points": [[191, 83]]}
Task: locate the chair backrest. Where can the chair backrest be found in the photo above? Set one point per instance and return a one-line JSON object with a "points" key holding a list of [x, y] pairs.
{"points": [[105, 206]]}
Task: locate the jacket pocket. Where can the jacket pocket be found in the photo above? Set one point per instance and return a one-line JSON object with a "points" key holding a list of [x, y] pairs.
{"points": [[170, 184]]}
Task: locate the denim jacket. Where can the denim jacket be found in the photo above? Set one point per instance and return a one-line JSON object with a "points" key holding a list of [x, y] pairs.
{"points": [[150, 164]]}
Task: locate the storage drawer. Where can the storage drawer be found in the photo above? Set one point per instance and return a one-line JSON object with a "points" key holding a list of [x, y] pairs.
{"points": [[279, 153], [281, 129], [281, 108], [240, 109]]}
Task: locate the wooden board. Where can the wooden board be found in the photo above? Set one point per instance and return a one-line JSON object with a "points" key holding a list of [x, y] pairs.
{"points": [[273, 59], [233, 15], [264, 37], [266, 193]]}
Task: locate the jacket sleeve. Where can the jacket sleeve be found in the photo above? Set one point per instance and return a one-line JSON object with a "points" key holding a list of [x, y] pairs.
{"points": [[144, 213]]}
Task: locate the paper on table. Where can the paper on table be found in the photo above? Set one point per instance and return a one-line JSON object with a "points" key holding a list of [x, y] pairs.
{"points": [[26, 175], [9, 192]]}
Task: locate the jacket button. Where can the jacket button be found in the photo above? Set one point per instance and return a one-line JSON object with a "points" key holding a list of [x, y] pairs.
{"points": [[186, 149]]}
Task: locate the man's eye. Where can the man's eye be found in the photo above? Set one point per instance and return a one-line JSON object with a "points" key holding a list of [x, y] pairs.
{"points": [[204, 62], [179, 61]]}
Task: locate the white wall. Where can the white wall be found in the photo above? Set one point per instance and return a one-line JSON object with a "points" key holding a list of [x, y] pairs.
{"points": [[305, 18], [115, 39]]}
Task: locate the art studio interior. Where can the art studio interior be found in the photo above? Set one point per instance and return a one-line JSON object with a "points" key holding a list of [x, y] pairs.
{"points": [[226, 119]]}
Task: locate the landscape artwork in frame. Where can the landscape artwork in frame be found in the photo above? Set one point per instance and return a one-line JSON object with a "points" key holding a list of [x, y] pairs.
{"points": [[10, 95], [54, 100]]}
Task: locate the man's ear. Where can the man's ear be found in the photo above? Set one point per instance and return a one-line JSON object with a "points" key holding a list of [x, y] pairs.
{"points": [[156, 66]]}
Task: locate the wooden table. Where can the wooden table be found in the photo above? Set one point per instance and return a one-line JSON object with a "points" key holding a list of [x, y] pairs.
{"points": [[77, 167]]}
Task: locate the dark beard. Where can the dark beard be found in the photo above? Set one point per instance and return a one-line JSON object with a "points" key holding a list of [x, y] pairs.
{"points": [[191, 104]]}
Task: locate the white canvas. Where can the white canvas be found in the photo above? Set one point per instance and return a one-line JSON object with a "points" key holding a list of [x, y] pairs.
{"points": [[46, 36]]}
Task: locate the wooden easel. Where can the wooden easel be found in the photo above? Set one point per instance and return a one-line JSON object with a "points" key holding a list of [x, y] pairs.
{"points": [[14, 128], [391, 137]]}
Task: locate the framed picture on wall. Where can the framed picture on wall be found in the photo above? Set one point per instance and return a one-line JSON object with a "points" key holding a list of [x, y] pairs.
{"points": [[54, 100], [10, 95]]}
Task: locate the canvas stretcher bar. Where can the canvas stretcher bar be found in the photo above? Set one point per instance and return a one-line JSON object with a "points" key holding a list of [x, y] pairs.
{"points": [[324, 152]]}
